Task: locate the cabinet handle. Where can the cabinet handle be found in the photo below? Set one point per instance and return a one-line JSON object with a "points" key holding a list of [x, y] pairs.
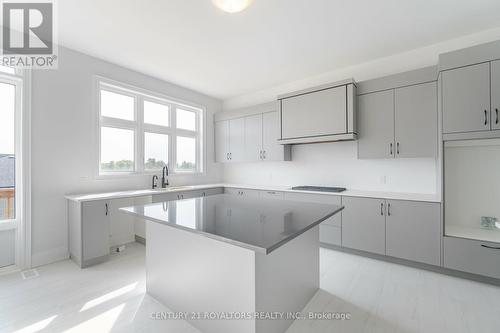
{"points": [[485, 117], [490, 247], [390, 145], [382, 209], [271, 192], [203, 194], [107, 210], [264, 155], [496, 121], [388, 209], [261, 155], [227, 156], [230, 156], [397, 148]]}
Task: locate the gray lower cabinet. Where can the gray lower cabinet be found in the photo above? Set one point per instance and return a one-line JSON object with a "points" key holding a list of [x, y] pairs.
{"points": [[329, 234], [413, 231], [363, 224], [330, 231], [472, 256], [89, 231], [95, 226], [186, 194], [376, 125], [466, 99]]}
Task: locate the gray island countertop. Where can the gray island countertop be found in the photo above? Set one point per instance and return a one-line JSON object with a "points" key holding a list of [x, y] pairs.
{"points": [[261, 225]]}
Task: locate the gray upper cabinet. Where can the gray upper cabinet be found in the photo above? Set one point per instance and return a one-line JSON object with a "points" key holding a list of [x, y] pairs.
{"points": [[222, 141], [413, 231], [415, 120], [466, 99], [363, 224], [271, 149], [314, 114], [253, 137], [376, 125], [400, 123], [495, 94], [319, 114], [237, 140]]}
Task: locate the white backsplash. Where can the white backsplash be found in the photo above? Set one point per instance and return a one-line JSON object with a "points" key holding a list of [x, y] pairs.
{"points": [[336, 164]]}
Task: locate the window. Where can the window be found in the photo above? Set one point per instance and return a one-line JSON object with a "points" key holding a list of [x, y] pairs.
{"points": [[141, 132], [7, 149]]}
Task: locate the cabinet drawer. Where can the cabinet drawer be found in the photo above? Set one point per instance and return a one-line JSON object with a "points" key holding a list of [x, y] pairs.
{"points": [[271, 194], [472, 256], [163, 197], [330, 235], [242, 192], [335, 220]]}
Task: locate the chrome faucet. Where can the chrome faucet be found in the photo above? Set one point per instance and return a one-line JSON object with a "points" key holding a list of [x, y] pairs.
{"points": [[164, 178], [155, 182]]}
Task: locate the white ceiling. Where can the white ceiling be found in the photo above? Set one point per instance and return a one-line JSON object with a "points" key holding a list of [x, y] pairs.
{"points": [[193, 44]]}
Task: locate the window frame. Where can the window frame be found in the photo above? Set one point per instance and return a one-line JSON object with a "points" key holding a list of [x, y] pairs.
{"points": [[140, 128]]}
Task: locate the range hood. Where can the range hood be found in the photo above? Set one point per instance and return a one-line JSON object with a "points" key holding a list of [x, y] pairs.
{"points": [[320, 114]]}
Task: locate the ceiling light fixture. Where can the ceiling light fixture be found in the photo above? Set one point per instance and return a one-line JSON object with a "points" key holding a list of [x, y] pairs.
{"points": [[232, 6]]}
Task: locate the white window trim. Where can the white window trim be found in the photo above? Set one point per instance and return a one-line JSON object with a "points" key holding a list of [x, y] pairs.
{"points": [[140, 128]]}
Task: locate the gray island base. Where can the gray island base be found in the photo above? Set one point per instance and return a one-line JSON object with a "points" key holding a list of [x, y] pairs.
{"points": [[229, 263]]}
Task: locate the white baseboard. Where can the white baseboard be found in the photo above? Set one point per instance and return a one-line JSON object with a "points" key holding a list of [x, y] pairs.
{"points": [[50, 256]]}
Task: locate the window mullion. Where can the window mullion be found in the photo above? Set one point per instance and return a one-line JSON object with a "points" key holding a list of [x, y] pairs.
{"points": [[139, 152], [172, 151]]}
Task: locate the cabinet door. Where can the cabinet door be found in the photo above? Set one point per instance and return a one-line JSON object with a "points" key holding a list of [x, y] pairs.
{"points": [[376, 125], [121, 225], [416, 120], [363, 224], [413, 231], [271, 195], [253, 138], [162, 197], [315, 114], [335, 220], [495, 94], [272, 150], [222, 141], [466, 99], [237, 140], [95, 229], [242, 192], [330, 235]]}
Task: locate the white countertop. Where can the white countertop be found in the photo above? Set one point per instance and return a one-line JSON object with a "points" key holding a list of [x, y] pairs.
{"points": [[348, 193]]}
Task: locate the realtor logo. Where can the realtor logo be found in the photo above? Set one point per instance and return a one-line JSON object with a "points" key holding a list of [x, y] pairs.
{"points": [[28, 34]]}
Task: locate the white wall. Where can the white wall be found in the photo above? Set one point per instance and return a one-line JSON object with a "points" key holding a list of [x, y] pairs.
{"points": [[64, 147], [336, 164], [402, 62]]}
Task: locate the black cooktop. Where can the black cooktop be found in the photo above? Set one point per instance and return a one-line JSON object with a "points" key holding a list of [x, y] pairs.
{"points": [[319, 188]]}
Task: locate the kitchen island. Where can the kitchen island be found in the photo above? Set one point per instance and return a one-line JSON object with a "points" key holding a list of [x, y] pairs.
{"points": [[233, 264]]}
